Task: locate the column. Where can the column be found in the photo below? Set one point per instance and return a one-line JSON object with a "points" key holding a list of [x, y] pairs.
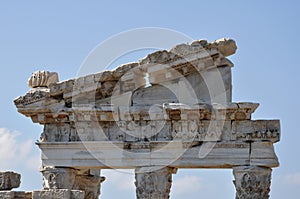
{"points": [[153, 182], [68, 182], [58, 177], [90, 183], [252, 182]]}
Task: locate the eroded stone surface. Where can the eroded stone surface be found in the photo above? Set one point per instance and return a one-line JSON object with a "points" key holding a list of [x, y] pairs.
{"points": [[91, 185], [13, 195], [58, 194], [161, 66], [42, 79], [58, 178], [72, 179], [9, 180], [153, 183]]}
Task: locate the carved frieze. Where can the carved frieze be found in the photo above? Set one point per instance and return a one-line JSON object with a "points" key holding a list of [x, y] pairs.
{"points": [[59, 132], [192, 129], [257, 130]]}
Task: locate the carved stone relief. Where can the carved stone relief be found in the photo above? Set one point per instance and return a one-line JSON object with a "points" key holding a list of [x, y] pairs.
{"points": [[153, 184], [60, 132], [90, 184], [32, 96], [71, 179], [58, 178], [252, 182]]}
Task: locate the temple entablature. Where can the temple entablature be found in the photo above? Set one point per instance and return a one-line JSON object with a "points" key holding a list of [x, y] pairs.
{"points": [[172, 109]]}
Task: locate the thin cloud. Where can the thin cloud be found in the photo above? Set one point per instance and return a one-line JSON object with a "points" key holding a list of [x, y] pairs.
{"points": [[121, 180], [186, 185], [15, 153], [292, 178]]}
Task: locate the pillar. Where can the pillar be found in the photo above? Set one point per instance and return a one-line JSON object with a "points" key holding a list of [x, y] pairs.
{"points": [[90, 183], [252, 182], [57, 179], [153, 182]]}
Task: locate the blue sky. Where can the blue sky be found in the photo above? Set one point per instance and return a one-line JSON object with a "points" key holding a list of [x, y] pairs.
{"points": [[58, 35]]}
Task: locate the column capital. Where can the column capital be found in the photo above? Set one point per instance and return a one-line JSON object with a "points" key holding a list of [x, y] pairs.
{"points": [[252, 182], [153, 182]]}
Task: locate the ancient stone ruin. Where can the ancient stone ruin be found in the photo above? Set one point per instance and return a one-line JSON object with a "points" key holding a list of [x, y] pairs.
{"points": [[170, 110]]}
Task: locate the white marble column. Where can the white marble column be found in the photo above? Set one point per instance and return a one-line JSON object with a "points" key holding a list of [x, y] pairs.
{"points": [[252, 182], [153, 182]]}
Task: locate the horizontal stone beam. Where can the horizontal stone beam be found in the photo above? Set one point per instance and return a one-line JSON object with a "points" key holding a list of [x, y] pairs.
{"points": [[177, 154]]}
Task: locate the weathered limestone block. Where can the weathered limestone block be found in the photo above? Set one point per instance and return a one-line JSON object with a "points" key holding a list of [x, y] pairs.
{"points": [[263, 153], [252, 182], [42, 79], [226, 46], [32, 96], [198, 86], [28, 195], [156, 94], [13, 195], [9, 180], [59, 132], [58, 194], [183, 53], [153, 183], [212, 86], [131, 80], [92, 131], [100, 85]]}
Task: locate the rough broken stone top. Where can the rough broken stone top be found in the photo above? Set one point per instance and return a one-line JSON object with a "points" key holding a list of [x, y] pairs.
{"points": [[161, 67]]}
